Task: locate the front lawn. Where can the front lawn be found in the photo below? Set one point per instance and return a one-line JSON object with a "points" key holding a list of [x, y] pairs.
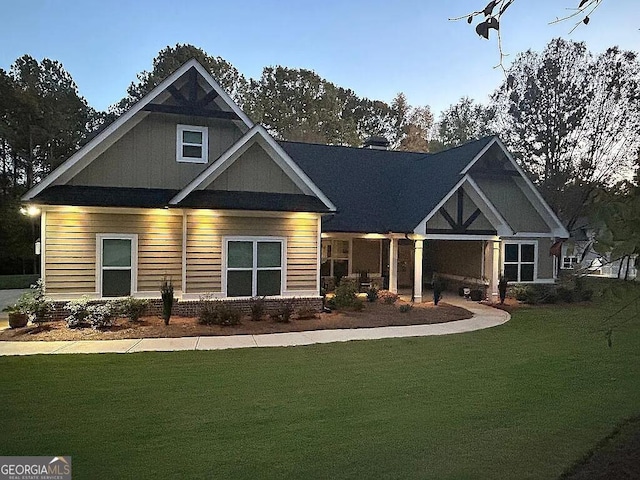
{"points": [[523, 400]]}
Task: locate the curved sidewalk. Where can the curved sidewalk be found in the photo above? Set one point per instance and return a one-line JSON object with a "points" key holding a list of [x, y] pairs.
{"points": [[483, 317]]}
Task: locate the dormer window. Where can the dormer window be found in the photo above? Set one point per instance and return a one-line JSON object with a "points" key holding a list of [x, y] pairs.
{"points": [[192, 144]]}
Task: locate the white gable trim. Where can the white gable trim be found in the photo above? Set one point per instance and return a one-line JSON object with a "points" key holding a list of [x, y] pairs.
{"points": [[479, 156], [123, 124], [259, 135], [478, 197]]}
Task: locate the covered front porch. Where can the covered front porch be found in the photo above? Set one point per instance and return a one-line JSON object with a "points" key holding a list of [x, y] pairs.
{"points": [[405, 263]]}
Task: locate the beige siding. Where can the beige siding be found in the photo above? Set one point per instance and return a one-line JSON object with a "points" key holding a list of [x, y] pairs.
{"points": [[512, 203], [70, 248], [205, 233], [254, 171], [145, 157]]}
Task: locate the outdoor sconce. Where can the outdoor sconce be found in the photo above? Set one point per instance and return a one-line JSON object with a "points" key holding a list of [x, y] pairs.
{"points": [[38, 246], [30, 211]]}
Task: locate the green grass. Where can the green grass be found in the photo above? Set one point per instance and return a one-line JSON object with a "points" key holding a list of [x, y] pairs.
{"points": [[524, 400], [8, 282]]}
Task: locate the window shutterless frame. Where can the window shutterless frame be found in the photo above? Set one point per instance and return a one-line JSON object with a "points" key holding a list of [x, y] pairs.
{"points": [[117, 263], [518, 259], [246, 265], [192, 144]]}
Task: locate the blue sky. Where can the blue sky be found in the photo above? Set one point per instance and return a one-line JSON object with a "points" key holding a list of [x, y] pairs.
{"points": [[377, 48]]}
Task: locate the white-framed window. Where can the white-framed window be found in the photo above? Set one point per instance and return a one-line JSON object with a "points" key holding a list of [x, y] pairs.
{"points": [[192, 144], [335, 258], [254, 266], [116, 264], [569, 262], [520, 261]]}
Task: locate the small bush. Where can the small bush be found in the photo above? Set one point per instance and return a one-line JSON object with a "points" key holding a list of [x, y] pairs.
{"points": [[346, 295], [83, 314], [565, 294], [78, 312], [133, 308], [257, 308], [284, 313], [215, 313], [405, 308], [387, 297], [372, 294], [306, 313]]}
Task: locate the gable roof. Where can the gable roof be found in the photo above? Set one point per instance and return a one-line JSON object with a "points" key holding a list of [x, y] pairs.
{"points": [[381, 191], [92, 149]]}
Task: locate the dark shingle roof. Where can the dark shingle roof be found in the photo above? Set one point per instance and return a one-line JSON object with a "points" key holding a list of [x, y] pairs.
{"points": [[380, 191], [273, 202], [83, 196]]}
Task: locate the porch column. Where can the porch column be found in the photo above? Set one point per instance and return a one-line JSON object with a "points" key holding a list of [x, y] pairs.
{"points": [[393, 265], [417, 271], [495, 270]]}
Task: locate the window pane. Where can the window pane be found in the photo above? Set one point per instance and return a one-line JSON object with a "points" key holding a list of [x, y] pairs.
{"points": [[511, 273], [191, 152], [269, 254], [526, 273], [511, 252], [269, 282], [239, 283], [116, 252], [527, 253], [116, 283], [340, 268], [341, 249], [192, 137], [240, 255], [325, 268]]}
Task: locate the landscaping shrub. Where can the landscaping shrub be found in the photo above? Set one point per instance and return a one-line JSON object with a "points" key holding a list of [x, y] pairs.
{"points": [[133, 308], [405, 308], [257, 308], [284, 313], [387, 297], [83, 314], [306, 313], [34, 303], [372, 294], [565, 294], [346, 296], [535, 294], [215, 313], [166, 292]]}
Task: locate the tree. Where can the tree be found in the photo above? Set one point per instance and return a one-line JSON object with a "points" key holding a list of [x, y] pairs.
{"points": [[571, 120], [169, 60], [461, 123], [413, 126]]}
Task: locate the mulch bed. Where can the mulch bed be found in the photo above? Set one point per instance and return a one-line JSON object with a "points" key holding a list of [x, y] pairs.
{"points": [[373, 315]]}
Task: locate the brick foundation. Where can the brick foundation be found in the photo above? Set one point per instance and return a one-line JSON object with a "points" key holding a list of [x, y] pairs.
{"points": [[191, 308]]}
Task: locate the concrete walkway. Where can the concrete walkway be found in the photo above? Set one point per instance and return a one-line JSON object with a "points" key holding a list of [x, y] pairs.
{"points": [[483, 317]]}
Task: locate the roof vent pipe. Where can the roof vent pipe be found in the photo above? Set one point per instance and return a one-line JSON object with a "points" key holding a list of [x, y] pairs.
{"points": [[376, 143]]}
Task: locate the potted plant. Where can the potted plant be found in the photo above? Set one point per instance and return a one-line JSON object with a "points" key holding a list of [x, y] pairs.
{"points": [[18, 317], [438, 287], [502, 288]]}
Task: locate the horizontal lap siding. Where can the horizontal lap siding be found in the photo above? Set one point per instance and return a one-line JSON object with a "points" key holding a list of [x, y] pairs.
{"points": [[204, 248], [70, 248]]}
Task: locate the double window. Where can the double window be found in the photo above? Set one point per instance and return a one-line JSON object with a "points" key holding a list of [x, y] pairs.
{"points": [[116, 264], [193, 144], [520, 261], [254, 266], [335, 258], [569, 262]]}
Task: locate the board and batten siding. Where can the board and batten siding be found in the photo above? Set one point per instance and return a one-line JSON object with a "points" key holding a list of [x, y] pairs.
{"points": [[206, 231], [70, 248]]}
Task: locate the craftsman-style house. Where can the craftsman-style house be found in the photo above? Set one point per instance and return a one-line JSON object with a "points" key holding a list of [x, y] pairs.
{"points": [[185, 186]]}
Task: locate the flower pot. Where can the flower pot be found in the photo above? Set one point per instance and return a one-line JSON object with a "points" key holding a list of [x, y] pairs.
{"points": [[18, 320], [476, 295]]}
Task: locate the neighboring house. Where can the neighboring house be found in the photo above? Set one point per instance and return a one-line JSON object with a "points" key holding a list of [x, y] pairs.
{"points": [[578, 254], [185, 186]]}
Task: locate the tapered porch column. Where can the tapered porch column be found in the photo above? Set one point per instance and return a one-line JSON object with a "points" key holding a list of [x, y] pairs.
{"points": [[417, 271], [495, 269], [393, 265]]}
